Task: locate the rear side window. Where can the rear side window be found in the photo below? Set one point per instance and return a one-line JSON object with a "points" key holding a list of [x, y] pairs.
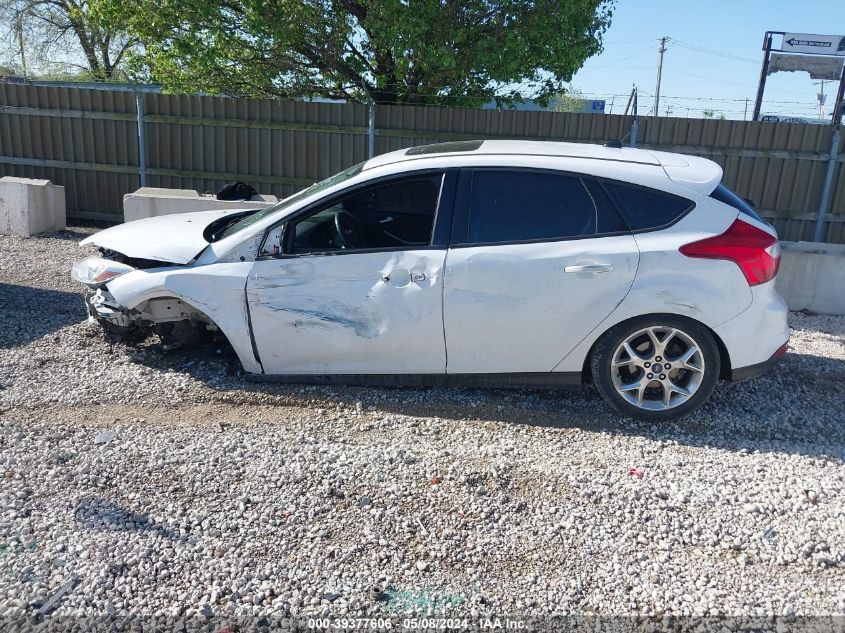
{"points": [[644, 208], [723, 194], [608, 218], [514, 206]]}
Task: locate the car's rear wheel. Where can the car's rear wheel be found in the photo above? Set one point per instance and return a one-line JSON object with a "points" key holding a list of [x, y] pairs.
{"points": [[656, 368]]}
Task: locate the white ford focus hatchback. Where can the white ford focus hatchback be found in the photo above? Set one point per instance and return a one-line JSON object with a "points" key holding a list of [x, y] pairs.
{"points": [[487, 263]]}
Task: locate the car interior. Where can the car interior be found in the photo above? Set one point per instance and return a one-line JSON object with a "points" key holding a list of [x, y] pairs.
{"points": [[390, 215]]}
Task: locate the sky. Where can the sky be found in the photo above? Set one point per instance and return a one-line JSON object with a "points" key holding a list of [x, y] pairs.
{"points": [[719, 78]]}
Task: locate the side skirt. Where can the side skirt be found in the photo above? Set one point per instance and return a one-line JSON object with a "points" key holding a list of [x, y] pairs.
{"points": [[545, 380]]}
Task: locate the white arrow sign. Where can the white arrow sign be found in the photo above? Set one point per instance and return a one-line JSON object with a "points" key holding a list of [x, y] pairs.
{"points": [[813, 44]]}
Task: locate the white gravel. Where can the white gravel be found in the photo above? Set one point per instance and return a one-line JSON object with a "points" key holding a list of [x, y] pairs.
{"points": [[166, 484]]}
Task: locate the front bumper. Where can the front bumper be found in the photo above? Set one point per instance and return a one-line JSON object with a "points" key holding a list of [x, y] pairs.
{"points": [[103, 307]]}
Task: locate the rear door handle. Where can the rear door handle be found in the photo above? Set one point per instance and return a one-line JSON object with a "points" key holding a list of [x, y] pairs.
{"points": [[589, 268]]}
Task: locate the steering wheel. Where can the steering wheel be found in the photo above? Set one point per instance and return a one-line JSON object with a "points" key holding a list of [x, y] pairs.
{"points": [[348, 229]]}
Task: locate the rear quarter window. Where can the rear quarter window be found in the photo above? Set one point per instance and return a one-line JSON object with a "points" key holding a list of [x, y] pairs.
{"points": [[643, 208], [723, 194]]}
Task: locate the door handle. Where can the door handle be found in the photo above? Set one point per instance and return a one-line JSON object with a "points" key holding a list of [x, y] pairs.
{"points": [[589, 268], [401, 277]]}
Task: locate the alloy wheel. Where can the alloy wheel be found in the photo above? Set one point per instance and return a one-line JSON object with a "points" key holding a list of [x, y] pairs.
{"points": [[657, 368]]}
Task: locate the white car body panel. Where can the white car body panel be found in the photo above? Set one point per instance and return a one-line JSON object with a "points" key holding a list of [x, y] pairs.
{"points": [[495, 297], [480, 307], [321, 314], [754, 335], [696, 173], [667, 282], [173, 238], [216, 290]]}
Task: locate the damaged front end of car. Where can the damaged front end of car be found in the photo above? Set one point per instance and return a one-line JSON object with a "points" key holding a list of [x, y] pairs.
{"points": [[174, 320], [180, 276]]}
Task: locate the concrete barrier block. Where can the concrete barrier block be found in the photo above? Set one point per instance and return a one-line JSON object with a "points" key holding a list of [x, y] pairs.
{"points": [[29, 206], [812, 277], [149, 202]]}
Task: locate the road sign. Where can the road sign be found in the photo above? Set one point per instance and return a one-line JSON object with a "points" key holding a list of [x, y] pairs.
{"points": [[813, 44]]}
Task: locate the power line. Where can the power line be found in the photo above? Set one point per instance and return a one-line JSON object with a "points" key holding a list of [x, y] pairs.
{"points": [[721, 81], [616, 43], [711, 51]]}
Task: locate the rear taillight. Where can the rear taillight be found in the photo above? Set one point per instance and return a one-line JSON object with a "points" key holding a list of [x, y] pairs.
{"points": [[756, 252]]}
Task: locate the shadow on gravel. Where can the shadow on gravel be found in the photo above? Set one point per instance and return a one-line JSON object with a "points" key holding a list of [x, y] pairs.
{"points": [[29, 313], [796, 408], [99, 513], [73, 234]]}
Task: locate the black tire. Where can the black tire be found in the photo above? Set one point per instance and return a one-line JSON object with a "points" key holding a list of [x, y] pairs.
{"points": [[604, 374]]}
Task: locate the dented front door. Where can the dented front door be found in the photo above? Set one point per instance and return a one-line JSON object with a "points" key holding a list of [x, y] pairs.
{"points": [[349, 313]]}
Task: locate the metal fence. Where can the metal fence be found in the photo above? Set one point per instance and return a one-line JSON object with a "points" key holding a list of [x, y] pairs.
{"points": [[88, 141]]}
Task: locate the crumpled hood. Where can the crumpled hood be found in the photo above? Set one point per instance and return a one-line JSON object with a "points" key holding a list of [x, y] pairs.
{"points": [[175, 238]]}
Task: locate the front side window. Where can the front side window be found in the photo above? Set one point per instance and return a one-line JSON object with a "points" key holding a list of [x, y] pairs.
{"points": [[395, 214], [513, 206]]}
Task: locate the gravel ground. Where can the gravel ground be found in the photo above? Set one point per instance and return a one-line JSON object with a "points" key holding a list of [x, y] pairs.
{"points": [[166, 484]]}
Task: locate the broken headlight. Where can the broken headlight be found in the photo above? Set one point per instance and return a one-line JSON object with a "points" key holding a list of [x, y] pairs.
{"points": [[95, 271]]}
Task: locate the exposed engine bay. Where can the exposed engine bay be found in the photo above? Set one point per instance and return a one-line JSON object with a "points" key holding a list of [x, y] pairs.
{"points": [[176, 321]]}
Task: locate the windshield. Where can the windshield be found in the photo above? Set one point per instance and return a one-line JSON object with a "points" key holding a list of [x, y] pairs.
{"points": [[249, 220]]}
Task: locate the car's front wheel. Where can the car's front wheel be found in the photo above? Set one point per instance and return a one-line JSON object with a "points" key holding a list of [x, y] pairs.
{"points": [[656, 367]]}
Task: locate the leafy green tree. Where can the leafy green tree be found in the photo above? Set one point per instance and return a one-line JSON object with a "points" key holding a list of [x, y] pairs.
{"points": [[453, 52], [63, 38]]}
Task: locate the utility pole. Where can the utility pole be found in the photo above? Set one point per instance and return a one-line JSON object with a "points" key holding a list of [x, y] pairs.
{"points": [[659, 75], [634, 125], [821, 99], [628, 105], [764, 72], [745, 113], [832, 159]]}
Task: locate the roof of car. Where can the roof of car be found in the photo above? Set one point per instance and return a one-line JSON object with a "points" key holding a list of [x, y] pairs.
{"points": [[535, 148], [694, 171]]}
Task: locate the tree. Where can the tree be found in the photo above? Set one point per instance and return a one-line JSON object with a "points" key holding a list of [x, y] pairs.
{"points": [[65, 38], [711, 114], [570, 100], [454, 52]]}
